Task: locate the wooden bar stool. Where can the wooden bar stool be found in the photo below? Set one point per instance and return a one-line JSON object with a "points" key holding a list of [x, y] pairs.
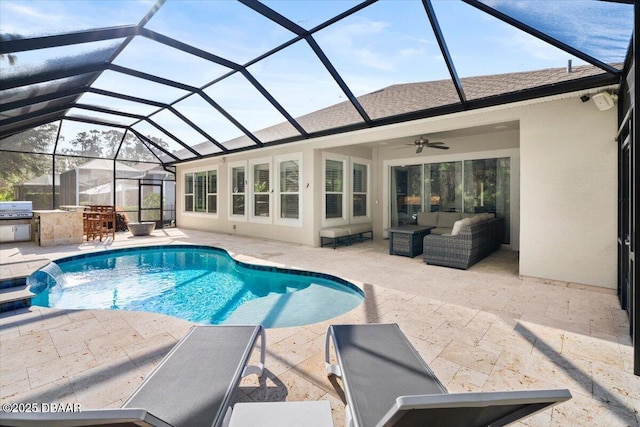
{"points": [[93, 225]]}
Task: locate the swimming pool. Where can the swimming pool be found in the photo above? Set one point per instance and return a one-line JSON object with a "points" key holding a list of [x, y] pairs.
{"points": [[201, 284]]}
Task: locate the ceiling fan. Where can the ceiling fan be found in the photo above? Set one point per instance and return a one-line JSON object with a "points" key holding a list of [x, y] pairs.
{"points": [[423, 142]]}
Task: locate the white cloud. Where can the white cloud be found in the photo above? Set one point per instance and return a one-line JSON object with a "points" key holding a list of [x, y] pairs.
{"points": [[349, 40], [411, 52], [21, 9], [16, 17]]}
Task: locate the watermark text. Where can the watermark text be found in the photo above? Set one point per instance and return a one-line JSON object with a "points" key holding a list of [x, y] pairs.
{"points": [[40, 407]]}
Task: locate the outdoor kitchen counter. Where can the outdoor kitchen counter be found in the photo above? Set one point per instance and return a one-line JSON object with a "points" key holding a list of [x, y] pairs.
{"points": [[57, 227]]}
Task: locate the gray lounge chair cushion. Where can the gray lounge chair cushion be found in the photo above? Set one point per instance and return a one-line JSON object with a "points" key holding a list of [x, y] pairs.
{"points": [[191, 387], [387, 383], [181, 392], [381, 365]]}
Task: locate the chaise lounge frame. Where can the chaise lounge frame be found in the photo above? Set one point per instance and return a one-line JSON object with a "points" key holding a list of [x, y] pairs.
{"points": [[193, 385], [387, 383]]}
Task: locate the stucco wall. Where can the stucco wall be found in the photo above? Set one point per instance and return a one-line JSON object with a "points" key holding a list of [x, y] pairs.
{"points": [[564, 194], [224, 224], [568, 193], [311, 191]]}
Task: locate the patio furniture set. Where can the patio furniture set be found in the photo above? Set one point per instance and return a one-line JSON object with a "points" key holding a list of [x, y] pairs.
{"points": [[385, 382], [449, 239], [99, 221]]}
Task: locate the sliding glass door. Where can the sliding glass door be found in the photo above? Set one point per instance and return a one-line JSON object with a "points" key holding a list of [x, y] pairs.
{"points": [[470, 186], [406, 194], [443, 187], [487, 188]]}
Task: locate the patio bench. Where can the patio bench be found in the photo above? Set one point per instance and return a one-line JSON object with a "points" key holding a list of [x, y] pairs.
{"points": [[345, 234]]}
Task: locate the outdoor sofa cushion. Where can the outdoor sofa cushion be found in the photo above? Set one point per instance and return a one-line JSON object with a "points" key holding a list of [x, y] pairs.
{"points": [[447, 219], [428, 219]]}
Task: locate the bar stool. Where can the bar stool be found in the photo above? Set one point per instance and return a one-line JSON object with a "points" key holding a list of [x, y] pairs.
{"points": [[93, 225]]}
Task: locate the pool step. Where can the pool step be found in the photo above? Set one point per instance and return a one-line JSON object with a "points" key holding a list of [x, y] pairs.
{"points": [[14, 294]]}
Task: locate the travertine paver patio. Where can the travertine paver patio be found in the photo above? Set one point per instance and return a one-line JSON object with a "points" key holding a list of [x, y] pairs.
{"points": [[480, 329]]}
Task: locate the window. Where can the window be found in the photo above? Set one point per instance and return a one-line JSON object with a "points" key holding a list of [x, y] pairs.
{"points": [[334, 178], [212, 192], [270, 187], [200, 192], [289, 189], [261, 190], [188, 192], [237, 190], [360, 190]]}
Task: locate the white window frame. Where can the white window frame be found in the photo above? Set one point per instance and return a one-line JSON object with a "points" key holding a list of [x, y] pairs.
{"points": [[192, 193], [346, 182], [367, 217], [192, 173], [213, 193], [231, 167], [250, 190], [278, 219]]}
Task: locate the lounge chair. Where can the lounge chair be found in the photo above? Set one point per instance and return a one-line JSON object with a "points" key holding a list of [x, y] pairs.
{"points": [[192, 386], [387, 383]]}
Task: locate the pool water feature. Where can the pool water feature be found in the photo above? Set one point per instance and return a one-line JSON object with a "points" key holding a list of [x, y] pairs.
{"points": [[200, 284]]}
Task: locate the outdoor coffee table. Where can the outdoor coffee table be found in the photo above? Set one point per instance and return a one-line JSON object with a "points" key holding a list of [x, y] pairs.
{"points": [[406, 240]]}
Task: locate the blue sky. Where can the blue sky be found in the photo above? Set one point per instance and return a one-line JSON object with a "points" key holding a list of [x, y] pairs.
{"points": [[386, 43]]}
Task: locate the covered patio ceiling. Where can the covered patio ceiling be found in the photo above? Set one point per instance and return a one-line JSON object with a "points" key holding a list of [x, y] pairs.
{"points": [[191, 79]]}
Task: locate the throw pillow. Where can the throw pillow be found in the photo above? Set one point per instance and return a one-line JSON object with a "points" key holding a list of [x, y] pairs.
{"points": [[457, 226]]}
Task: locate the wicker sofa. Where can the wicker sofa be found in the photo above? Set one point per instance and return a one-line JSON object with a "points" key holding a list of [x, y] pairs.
{"points": [[443, 222], [470, 241]]}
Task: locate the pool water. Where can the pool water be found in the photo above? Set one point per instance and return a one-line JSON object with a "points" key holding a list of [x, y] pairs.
{"points": [[196, 283]]}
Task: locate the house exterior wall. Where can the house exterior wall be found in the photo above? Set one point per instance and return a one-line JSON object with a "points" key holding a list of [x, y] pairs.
{"points": [[223, 222], [485, 146], [569, 193], [564, 182]]}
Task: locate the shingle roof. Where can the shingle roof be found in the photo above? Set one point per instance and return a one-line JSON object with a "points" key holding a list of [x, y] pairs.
{"points": [[406, 98]]}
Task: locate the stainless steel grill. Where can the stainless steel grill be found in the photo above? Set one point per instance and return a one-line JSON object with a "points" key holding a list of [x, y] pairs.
{"points": [[16, 210]]}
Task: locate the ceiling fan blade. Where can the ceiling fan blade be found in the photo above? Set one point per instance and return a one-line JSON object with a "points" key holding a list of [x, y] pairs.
{"points": [[419, 149], [439, 147], [435, 143]]}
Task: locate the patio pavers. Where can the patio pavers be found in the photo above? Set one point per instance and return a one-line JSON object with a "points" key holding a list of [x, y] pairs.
{"points": [[484, 329]]}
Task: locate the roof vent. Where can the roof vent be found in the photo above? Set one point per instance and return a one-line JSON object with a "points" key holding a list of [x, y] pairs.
{"points": [[569, 66]]}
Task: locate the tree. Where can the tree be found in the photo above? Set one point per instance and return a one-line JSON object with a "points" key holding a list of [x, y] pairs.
{"points": [[86, 144], [23, 163], [9, 56], [133, 149]]}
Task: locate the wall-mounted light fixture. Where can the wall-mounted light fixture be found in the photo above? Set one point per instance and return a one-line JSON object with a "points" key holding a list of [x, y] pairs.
{"points": [[604, 100], [584, 98]]}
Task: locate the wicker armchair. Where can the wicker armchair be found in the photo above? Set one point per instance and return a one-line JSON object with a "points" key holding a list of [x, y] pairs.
{"points": [[473, 243]]}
